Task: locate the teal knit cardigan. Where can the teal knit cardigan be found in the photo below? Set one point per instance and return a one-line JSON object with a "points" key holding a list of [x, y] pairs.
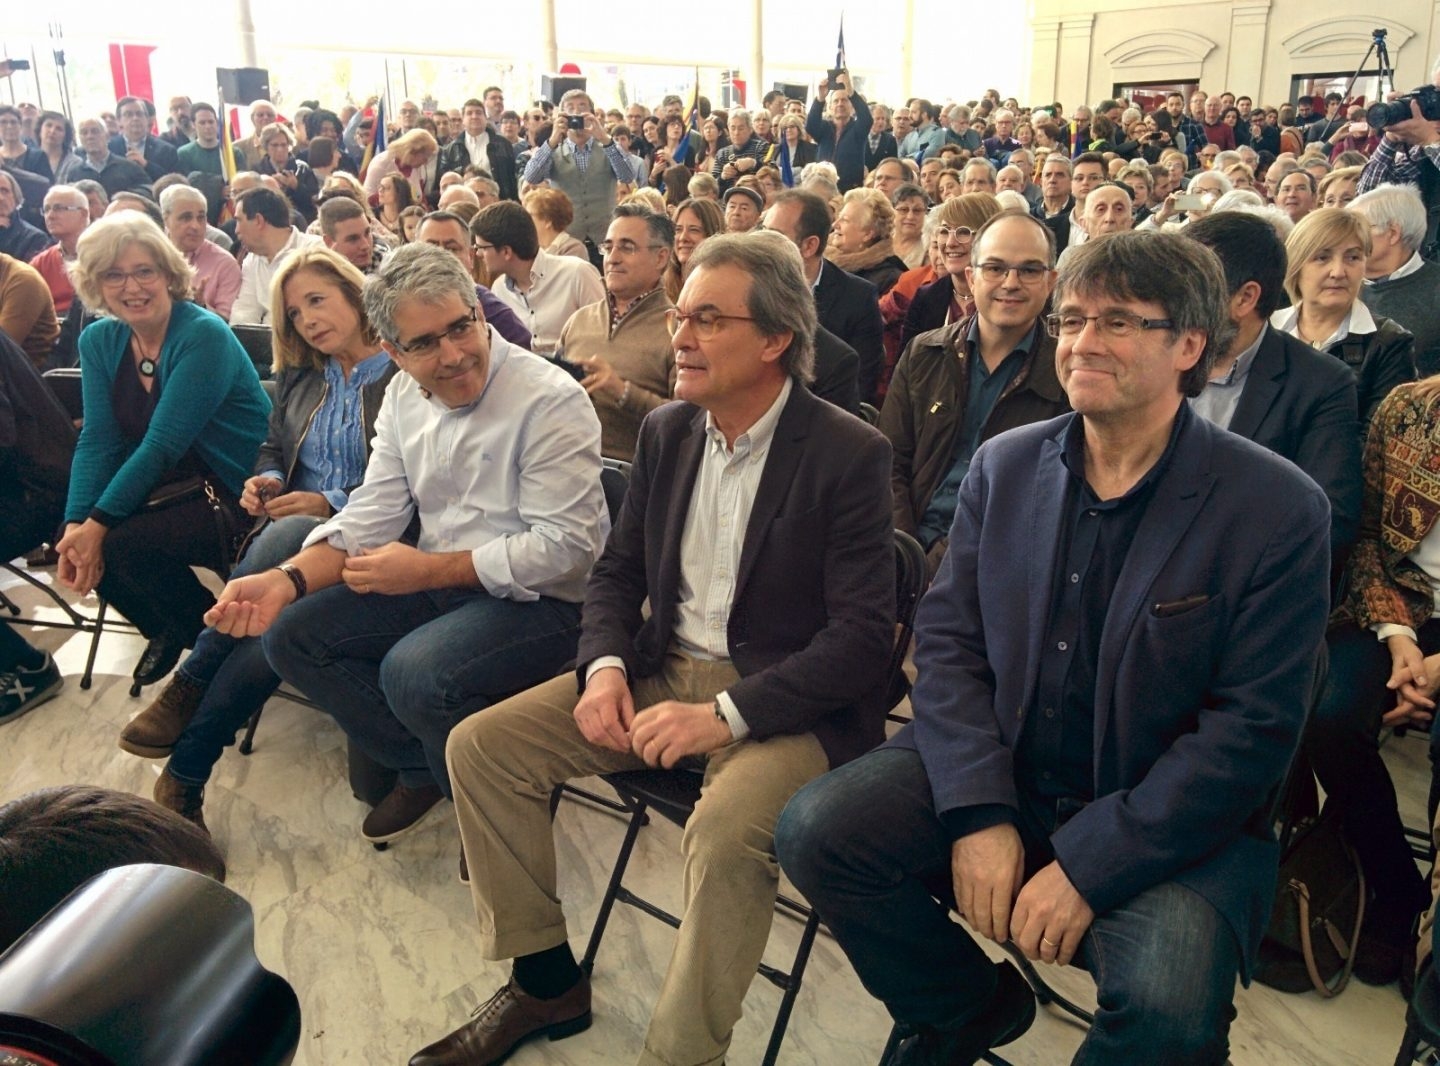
{"points": [[210, 399]]}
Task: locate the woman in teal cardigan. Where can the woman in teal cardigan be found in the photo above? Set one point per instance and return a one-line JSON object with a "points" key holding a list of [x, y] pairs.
{"points": [[170, 398]]}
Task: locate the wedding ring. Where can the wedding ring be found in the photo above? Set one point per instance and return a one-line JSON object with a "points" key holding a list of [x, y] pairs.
{"points": [[1049, 943]]}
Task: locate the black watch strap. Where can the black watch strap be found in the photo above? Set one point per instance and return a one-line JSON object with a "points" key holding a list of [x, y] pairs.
{"points": [[297, 578]]}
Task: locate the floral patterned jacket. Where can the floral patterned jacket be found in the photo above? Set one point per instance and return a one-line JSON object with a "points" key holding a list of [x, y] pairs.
{"points": [[1401, 505]]}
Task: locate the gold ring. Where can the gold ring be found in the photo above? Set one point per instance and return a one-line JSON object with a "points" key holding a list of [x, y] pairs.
{"points": [[1049, 943]]}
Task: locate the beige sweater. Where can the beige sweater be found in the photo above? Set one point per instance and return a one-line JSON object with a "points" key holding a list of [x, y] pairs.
{"points": [[641, 354]]}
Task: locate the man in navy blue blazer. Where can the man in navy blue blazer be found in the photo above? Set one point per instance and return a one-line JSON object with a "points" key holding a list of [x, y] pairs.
{"points": [[1114, 666]]}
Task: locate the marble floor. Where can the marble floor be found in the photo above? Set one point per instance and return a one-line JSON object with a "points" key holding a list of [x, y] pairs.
{"points": [[379, 945]]}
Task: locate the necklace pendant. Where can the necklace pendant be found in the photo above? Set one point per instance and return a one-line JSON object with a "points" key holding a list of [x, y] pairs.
{"points": [[147, 367]]}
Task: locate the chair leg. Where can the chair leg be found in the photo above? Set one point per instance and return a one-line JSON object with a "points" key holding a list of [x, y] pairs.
{"points": [[1409, 1043], [89, 675], [792, 989], [247, 743], [1044, 994], [7, 604], [632, 831]]}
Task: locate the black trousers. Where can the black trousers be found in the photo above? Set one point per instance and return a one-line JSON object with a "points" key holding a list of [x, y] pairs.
{"points": [[27, 520], [148, 558]]}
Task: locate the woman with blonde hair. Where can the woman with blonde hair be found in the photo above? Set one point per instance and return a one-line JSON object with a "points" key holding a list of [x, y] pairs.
{"points": [[1339, 187], [695, 222], [412, 156], [1325, 268], [948, 298], [861, 240], [551, 211], [331, 375], [174, 414]]}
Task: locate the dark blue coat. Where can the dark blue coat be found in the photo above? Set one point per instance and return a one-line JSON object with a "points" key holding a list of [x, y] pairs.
{"points": [[1197, 714]]}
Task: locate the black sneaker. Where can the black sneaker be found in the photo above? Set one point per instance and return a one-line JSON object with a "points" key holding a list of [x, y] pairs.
{"points": [[23, 690]]}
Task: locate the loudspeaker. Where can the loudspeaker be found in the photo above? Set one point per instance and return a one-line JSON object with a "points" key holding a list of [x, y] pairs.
{"points": [[243, 85], [793, 91], [553, 86]]}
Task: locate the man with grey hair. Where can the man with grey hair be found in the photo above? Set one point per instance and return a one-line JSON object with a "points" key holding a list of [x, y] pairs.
{"points": [[567, 161], [978, 176], [497, 454], [1399, 284], [67, 214], [217, 275], [1113, 670], [620, 345], [742, 155], [759, 495]]}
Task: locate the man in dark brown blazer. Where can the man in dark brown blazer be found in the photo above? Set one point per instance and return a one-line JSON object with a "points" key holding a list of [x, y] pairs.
{"points": [[757, 527]]}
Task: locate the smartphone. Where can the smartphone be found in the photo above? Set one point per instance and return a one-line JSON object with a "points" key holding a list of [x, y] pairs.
{"points": [[575, 370], [575, 122], [16, 64], [1190, 202], [833, 77]]}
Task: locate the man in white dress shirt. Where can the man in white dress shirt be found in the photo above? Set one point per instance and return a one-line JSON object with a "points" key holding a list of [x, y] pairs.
{"points": [[497, 454], [543, 289], [262, 222]]}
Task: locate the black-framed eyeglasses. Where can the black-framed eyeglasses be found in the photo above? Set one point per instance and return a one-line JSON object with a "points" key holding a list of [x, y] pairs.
{"points": [[428, 346], [625, 247], [1112, 324], [1028, 273], [705, 324], [116, 279], [483, 247]]}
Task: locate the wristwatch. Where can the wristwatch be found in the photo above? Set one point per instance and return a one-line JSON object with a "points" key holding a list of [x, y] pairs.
{"points": [[297, 578]]}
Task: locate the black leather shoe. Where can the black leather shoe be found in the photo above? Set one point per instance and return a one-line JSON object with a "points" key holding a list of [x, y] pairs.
{"points": [[161, 656], [1007, 1014], [507, 1019]]}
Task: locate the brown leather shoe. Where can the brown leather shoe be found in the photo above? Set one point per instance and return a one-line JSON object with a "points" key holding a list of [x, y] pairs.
{"points": [[399, 812], [153, 732], [188, 801], [506, 1020]]}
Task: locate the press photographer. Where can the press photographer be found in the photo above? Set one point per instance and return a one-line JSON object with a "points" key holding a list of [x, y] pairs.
{"points": [[1409, 151]]}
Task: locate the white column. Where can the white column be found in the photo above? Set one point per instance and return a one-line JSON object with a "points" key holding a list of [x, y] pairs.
{"points": [[1072, 72], [756, 80], [1045, 61], [907, 54], [1245, 56], [245, 22], [549, 49]]}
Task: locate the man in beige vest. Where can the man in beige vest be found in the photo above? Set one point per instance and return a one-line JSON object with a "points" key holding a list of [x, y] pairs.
{"points": [[568, 161]]}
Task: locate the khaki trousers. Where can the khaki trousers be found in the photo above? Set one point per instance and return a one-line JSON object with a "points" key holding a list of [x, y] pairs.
{"points": [[505, 761]]}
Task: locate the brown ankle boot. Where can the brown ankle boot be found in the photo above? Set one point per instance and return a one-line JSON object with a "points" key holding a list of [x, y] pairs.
{"points": [[153, 732], [185, 800]]}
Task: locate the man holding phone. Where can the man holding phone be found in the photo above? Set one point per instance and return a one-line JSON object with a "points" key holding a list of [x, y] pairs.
{"points": [[622, 342], [840, 139], [567, 161]]}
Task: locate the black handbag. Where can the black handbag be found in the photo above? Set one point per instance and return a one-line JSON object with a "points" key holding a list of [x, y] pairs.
{"points": [[199, 487], [1319, 907]]}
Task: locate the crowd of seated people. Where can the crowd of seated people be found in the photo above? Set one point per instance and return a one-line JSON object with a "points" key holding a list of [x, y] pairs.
{"points": [[464, 324]]}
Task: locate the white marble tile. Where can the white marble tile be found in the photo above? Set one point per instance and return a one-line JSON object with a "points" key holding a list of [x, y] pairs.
{"points": [[381, 946]]}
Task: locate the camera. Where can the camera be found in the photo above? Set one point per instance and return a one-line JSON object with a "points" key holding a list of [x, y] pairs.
{"points": [[575, 122], [1381, 115], [16, 64]]}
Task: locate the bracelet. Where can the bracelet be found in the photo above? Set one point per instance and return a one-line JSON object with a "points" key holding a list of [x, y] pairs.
{"points": [[625, 396], [297, 578]]}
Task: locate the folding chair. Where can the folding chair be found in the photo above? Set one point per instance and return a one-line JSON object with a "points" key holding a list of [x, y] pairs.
{"points": [[258, 344], [673, 795]]}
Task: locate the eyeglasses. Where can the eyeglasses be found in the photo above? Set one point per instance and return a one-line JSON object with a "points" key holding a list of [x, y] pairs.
{"points": [[116, 279], [624, 247], [1028, 273], [483, 247], [428, 346], [52, 209], [704, 323], [1113, 325], [944, 233]]}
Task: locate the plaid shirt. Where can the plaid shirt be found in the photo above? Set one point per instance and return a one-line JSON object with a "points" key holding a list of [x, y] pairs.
{"points": [[1392, 166], [1194, 135]]}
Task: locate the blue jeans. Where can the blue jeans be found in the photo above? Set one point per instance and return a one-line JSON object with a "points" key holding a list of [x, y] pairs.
{"points": [[233, 671], [863, 843], [399, 672]]}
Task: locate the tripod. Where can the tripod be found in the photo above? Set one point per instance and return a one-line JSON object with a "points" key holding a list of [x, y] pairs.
{"points": [[1385, 71]]}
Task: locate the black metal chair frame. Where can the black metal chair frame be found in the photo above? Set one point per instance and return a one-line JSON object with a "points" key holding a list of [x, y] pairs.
{"points": [[75, 620], [674, 793]]}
